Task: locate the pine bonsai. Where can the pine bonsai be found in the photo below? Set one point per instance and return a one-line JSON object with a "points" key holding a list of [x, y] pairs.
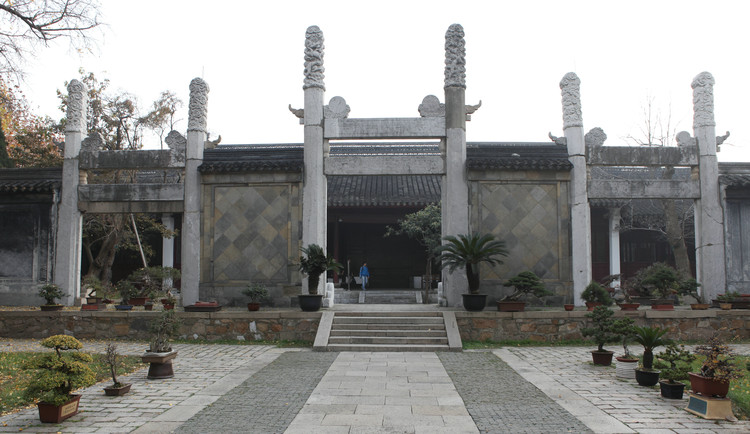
{"points": [[526, 282], [602, 330], [59, 373]]}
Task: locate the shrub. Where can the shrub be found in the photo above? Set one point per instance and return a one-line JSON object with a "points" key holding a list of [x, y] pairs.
{"points": [[719, 361], [163, 329], [674, 363], [50, 292], [59, 373], [256, 292]]}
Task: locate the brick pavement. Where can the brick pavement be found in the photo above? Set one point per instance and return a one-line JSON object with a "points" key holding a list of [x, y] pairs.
{"points": [[500, 400]]}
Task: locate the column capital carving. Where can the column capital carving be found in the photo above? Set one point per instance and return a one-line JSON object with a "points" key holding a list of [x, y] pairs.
{"points": [[455, 57], [703, 100], [198, 106], [77, 105], [314, 51], [570, 85]]}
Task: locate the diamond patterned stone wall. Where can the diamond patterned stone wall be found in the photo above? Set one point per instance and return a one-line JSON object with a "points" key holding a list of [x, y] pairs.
{"points": [[251, 233], [528, 218]]}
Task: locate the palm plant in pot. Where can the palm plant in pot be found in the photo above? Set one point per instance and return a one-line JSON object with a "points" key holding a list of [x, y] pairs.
{"points": [[650, 338], [674, 363], [255, 292], [524, 283], [596, 295], [717, 369], [113, 362], [626, 364], [50, 292], [468, 251], [160, 354], [314, 263], [56, 376], [602, 332]]}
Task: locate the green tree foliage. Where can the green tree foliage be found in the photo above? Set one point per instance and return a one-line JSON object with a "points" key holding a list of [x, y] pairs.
{"points": [[29, 140], [424, 227]]}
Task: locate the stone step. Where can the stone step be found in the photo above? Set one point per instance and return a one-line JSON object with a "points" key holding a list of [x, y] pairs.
{"points": [[387, 320], [386, 347], [390, 332], [388, 326], [390, 314], [388, 340]]}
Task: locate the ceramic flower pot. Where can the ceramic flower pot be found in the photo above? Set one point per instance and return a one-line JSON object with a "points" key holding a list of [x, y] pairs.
{"points": [[474, 302], [511, 306], [602, 358], [708, 386]]}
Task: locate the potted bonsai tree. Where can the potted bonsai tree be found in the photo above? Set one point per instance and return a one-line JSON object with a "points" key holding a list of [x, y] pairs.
{"points": [[126, 290], [690, 287], [160, 354], [255, 292], [663, 282], [650, 338], [113, 361], [602, 331], [717, 370], [674, 363], [596, 295], [50, 292], [626, 364], [57, 375], [93, 289], [468, 251], [150, 282], [524, 283], [313, 263]]}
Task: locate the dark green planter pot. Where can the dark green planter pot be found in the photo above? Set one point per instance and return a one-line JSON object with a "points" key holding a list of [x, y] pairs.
{"points": [[647, 378], [474, 302], [671, 391], [310, 303]]}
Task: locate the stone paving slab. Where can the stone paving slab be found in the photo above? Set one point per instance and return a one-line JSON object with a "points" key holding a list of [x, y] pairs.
{"points": [[383, 392], [605, 403]]}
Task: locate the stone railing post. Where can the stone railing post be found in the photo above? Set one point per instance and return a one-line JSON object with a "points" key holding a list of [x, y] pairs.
{"points": [[67, 272], [314, 192], [709, 214], [580, 215], [455, 190], [191, 218]]}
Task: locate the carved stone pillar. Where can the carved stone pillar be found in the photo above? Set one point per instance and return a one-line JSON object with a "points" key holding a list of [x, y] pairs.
{"points": [[455, 190], [314, 192], [167, 246], [67, 272], [191, 218], [709, 214], [580, 215]]}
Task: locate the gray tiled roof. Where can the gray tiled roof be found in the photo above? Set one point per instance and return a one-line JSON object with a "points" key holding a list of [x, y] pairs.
{"points": [[517, 156], [363, 191], [32, 180]]}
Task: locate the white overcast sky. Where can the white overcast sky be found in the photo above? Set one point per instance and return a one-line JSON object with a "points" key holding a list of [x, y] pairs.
{"points": [[384, 56]]}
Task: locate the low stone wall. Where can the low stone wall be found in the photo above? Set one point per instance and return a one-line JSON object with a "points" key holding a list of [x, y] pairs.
{"points": [[542, 326], [265, 325], [556, 326]]}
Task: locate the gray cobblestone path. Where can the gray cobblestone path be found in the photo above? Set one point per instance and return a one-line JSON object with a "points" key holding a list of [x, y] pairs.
{"points": [[501, 401], [268, 401]]}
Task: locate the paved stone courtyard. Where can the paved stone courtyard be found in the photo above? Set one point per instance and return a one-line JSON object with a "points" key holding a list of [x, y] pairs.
{"points": [[226, 388]]}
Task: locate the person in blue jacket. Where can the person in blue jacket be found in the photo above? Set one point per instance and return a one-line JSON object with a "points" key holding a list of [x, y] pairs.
{"points": [[364, 274]]}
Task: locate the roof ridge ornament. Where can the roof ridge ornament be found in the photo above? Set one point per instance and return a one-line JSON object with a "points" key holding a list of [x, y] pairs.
{"points": [[431, 107], [337, 108], [570, 85], [314, 70], [595, 137], [455, 57]]}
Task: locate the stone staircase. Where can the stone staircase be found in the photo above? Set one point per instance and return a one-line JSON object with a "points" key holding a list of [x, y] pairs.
{"points": [[388, 331]]}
